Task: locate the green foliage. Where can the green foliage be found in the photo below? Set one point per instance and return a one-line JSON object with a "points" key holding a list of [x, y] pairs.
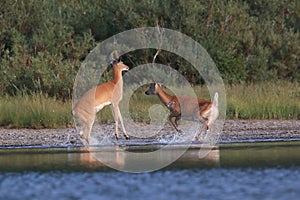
{"points": [[43, 43], [254, 101], [39, 51]]}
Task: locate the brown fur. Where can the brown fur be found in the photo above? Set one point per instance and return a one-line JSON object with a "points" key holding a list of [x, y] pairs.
{"points": [[193, 107], [97, 98]]}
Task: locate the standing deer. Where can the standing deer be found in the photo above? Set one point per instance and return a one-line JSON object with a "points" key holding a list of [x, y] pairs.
{"points": [[192, 107], [100, 96]]}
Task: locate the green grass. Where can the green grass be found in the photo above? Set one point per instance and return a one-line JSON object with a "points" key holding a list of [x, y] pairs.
{"points": [[34, 111], [254, 101], [264, 101]]}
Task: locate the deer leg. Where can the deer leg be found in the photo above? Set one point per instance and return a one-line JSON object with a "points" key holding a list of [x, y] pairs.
{"points": [[122, 124], [204, 127], [173, 124], [197, 137], [115, 111], [82, 131], [90, 126], [86, 130], [176, 120], [210, 121]]}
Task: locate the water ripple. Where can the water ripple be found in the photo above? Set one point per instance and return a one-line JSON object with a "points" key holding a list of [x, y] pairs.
{"points": [[216, 183]]}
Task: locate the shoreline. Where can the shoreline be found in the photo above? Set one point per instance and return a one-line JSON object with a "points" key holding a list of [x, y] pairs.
{"points": [[234, 131]]}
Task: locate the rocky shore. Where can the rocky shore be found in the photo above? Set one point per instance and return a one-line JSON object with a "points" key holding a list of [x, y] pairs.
{"points": [[233, 131]]}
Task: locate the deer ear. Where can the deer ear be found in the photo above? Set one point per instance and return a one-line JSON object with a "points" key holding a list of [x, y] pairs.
{"points": [[111, 63], [118, 59], [114, 58]]}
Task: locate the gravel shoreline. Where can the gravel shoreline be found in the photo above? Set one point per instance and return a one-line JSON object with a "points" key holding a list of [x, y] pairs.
{"points": [[233, 131]]}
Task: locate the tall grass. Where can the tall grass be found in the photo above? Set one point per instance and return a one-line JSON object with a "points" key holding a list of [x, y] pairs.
{"points": [[254, 101], [34, 111], [264, 101]]}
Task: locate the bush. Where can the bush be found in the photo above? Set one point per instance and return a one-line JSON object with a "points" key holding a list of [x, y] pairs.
{"points": [[43, 43]]}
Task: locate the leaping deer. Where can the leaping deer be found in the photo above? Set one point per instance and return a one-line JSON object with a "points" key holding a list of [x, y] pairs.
{"points": [[109, 93], [193, 107]]}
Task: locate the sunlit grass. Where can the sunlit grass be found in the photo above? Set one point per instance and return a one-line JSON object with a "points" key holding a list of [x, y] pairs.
{"points": [[254, 101], [264, 101], [34, 111]]}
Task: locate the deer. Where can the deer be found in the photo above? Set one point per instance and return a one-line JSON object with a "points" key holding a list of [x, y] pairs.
{"points": [[95, 99], [194, 108]]}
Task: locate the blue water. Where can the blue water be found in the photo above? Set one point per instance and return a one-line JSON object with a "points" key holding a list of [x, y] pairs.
{"points": [[233, 171], [215, 183]]}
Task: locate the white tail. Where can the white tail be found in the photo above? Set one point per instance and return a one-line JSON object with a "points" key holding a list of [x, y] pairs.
{"points": [[215, 100], [100, 96], [214, 111]]}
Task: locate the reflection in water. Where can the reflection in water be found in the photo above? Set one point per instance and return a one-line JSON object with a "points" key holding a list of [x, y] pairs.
{"points": [[225, 156], [263, 154], [231, 171], [150, 158]]}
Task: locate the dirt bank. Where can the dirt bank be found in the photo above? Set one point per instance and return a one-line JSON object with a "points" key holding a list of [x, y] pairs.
{"points": [[233, 131]]}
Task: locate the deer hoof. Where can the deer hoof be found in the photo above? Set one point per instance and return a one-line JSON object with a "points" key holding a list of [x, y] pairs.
{"points": [[127, 137], [81, 134]]}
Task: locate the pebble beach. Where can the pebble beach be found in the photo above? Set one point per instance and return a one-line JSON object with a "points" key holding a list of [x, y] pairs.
{"points": [[233, 131]]}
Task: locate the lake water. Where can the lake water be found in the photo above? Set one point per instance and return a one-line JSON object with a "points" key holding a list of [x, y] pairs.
{"points": [[231, 171]]}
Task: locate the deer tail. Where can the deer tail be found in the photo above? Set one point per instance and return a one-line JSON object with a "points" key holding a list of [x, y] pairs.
{"points": [[215, 100]]}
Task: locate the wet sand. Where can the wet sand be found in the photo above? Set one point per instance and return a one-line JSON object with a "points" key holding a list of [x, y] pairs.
{"points": [[233, 131]]}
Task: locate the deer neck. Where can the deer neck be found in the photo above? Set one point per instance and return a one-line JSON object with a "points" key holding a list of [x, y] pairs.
{"points": [[164, 97], [118, 88], [117, 77]]}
